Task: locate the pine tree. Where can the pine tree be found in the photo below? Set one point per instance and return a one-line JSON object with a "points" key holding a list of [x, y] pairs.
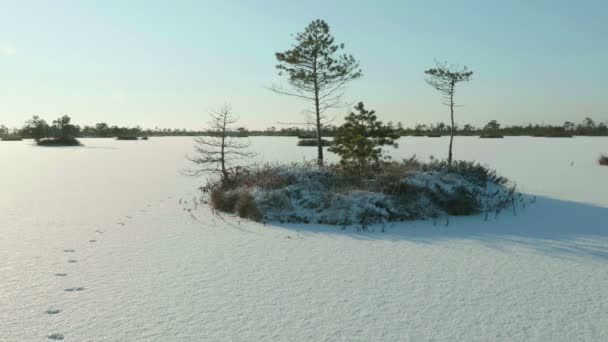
{"points": [[359, 141], [317, 72], [444, 79]]}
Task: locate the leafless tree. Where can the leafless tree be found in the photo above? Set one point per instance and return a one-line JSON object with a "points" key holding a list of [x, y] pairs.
{"points": [[444, 78], [219, 152]]}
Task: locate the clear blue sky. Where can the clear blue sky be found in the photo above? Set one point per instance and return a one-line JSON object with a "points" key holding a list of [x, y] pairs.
{"points": [[166, 63]]}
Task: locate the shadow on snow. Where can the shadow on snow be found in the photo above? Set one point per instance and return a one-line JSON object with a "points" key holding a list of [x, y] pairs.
{"points": [[556, 227]]}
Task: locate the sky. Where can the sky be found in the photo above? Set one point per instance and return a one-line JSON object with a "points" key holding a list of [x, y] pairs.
{"points": [[168, 63]]}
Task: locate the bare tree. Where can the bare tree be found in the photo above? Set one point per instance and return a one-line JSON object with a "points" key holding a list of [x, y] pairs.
{"points": [[317, 72], [219, 152], [444, 78]]}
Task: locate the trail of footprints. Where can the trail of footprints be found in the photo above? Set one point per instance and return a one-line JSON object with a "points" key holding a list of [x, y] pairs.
{"points": [[55, 311]]}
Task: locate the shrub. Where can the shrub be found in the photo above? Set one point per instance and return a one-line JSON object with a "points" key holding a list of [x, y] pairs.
{"points": [[129, 137], [62, 141], [245, 206], [389, 178], [473, 171], [313, 142], [276, 199], [461, 203], [222, 199], [603, 160]]}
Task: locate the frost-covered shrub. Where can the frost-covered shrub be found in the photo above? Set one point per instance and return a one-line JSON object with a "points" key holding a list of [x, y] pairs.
{"points": [[277, 199], [461, 202], [389, 179], [397, 191], [473, 171]]}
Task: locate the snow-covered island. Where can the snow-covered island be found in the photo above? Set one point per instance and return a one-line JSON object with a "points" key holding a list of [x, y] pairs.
{"points": [[399, 191]]}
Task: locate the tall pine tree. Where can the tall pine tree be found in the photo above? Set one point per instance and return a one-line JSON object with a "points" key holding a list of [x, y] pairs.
{"points": [[317, 71]]}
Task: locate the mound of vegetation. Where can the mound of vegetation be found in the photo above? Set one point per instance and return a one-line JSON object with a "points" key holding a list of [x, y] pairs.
{"points": [[433, 135], [129, 137], [365, 187], [313, 142], [11, 138], [61, 141], [491, 136], [603, 160], [406, 190]]}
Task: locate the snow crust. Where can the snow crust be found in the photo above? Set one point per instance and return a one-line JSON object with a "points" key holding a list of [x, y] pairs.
{"points": [[160, 269]]}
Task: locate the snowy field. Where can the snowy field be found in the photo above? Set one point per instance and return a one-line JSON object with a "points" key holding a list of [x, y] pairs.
{"points": [[96, 244]]}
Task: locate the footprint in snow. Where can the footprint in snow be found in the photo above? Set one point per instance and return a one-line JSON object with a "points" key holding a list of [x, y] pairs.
{"points": [[69, 250], [61, 274], [74, 289], [99, 231], [120, 223], [52, 311], [72, 261], [91, 241], [55, 337], [128, 217]]}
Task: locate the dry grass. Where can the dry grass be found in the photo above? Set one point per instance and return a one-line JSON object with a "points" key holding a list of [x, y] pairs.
{"points": [[221, 199], [245, 207]]}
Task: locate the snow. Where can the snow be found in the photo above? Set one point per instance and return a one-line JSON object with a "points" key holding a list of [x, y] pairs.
{"points": [[147, 270]]}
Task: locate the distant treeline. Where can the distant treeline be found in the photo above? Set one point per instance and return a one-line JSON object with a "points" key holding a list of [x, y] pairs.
{"points": [[37, 128], [586, 127]]}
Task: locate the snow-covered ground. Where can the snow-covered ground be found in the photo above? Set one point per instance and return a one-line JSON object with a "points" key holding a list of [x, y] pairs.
{"points": [[146, 269]]}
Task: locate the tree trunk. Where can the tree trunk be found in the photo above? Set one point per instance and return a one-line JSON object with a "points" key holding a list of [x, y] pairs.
{"points": [[452, 129], [222, 152], [318, 114]]}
